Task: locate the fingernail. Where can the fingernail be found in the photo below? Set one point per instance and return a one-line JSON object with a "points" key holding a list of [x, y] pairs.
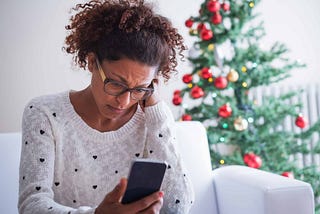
{"points": [[122, 180], [161, 194]]}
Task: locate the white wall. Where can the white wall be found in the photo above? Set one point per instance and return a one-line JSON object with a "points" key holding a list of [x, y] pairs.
{"points": [[32, 34]]}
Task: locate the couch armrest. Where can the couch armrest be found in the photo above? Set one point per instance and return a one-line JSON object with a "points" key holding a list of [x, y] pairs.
{"points": [[10, 148], [193, 145], [244, 190]]}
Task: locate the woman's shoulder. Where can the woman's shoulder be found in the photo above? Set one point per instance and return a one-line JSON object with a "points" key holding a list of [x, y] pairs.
{"points": [[49, 101]]}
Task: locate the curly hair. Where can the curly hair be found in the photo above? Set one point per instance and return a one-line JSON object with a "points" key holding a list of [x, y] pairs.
{"points": [[115, 29]]}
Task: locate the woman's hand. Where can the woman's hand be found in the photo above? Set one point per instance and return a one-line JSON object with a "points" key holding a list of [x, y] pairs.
{"points": [[112, 202], [154, 98]]}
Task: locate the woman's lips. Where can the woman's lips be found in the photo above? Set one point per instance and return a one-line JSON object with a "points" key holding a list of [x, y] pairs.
{"points": [[116, 110]]}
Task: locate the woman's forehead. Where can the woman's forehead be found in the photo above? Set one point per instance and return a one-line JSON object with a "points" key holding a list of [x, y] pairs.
{"points": [[129, 71]]}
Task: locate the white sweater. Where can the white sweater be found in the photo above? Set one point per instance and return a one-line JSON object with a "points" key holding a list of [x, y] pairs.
{"points": [[68, 167]]}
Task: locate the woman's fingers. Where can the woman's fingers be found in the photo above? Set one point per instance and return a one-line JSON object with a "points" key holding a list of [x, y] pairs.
{"points": [[116, 194], [147, 203], [112, 202], [154, 208], [155, 97]]}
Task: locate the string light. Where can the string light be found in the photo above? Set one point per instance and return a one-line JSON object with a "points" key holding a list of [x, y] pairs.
{"points": [[225, 125], [221, 162], [251, 4], [244, 69], [190, 85], [221, 139], [244, 84], [210, 79], [250, 120]]}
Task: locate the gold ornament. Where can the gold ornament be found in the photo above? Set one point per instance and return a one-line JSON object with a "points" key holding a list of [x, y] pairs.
{"points": [[211, 47], [233, 76], [193, 32], [244, 69], [240, 124], [210, 79]]}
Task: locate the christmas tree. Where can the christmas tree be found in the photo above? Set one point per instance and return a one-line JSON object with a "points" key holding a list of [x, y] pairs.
{"points": [[217, 92]]}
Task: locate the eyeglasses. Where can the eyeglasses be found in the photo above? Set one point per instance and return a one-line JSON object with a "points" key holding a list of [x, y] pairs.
{"points": [[115, 88]]}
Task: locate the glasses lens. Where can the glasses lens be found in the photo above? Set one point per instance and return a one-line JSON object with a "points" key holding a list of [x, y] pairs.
{"points": [[141, 93], [114, 88]]}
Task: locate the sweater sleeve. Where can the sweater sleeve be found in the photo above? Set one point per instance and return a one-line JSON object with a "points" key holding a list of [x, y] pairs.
{"points": [[37, 166], [161, 144]]}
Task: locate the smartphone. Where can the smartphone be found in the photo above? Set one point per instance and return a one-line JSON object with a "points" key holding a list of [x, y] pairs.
{"points": [[145, 178]]}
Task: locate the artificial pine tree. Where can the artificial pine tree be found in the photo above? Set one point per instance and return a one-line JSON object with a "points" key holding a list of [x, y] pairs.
{"points": [[217, 88]]}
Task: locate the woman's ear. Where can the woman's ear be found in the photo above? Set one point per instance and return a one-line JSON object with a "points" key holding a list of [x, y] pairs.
{"points": [[91, 57]]}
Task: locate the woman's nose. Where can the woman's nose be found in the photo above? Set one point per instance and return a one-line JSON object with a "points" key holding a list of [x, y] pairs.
{"points": [[124, 99]]}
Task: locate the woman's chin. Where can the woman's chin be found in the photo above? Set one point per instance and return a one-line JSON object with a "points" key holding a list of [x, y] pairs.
{"points": [[114, 112]]}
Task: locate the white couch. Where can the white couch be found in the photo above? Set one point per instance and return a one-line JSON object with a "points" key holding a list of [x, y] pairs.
{"points": [[227, 190]]}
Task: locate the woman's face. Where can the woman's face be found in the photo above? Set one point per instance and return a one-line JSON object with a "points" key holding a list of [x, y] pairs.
{"points": [[131, 74]]}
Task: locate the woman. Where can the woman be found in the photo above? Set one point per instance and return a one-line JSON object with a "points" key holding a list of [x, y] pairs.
{"points": [[78, 145]]}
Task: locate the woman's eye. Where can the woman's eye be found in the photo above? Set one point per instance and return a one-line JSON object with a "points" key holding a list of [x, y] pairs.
{"points": [[140, 90]]}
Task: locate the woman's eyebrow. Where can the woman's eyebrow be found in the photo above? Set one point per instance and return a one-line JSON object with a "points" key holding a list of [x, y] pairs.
{"points": [[125, 81], [122, 79]]}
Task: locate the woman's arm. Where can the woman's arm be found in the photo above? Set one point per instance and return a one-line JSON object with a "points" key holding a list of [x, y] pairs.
{"points": [[161, 144], [37, 165]]}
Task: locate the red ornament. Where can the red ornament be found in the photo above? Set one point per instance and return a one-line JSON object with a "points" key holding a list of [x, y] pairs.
{"points": [[252, 160], [206, 34], [197, 92], [288, 174], [177, 93], [186, 117], [177, 100], [225, 6], [301, 122], [189, 23], [220, 82], [225, 111], [201, 27], [187, 78], [206, 73], [216, 18], [213, 6]]}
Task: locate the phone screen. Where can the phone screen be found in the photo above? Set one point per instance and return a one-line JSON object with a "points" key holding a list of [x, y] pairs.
{"points": [[144, 179]]}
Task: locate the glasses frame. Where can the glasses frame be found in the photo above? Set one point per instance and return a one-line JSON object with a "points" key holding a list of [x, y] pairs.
{"points": [[148, 90]]}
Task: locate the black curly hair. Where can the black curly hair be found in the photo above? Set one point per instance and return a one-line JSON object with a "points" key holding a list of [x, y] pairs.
{"points": [[115, 29]]}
